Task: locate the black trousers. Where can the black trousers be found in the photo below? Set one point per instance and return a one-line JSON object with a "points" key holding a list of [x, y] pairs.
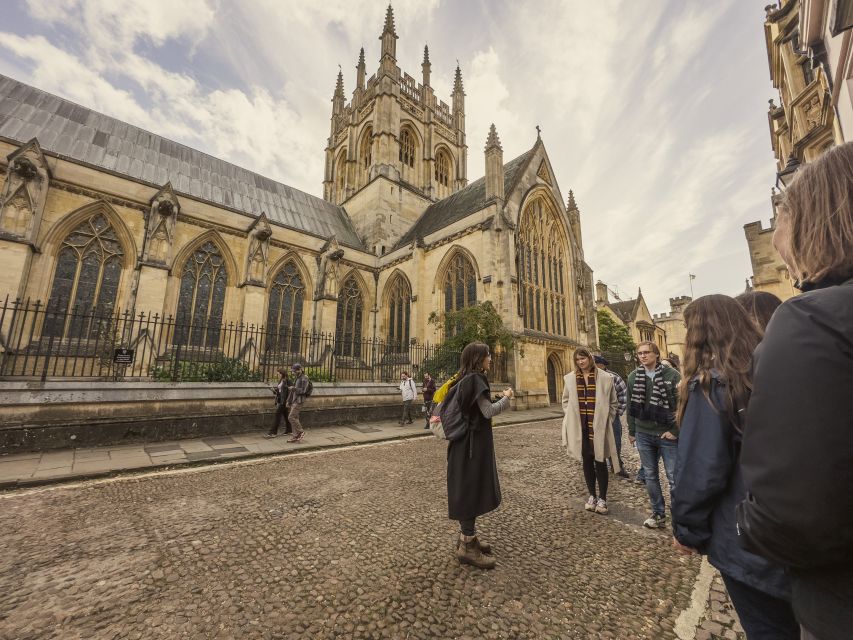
{"points": [[467, 527], [762, 616], [592, 471], [280, 412]]}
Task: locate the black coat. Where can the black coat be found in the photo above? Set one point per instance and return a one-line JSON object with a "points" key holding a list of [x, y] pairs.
{"points": [[708, 488], [797, 456], [472, 482]]}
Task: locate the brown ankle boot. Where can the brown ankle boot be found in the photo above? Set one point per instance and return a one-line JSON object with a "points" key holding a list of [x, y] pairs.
{"points": [[485, 547], [468, 552]]}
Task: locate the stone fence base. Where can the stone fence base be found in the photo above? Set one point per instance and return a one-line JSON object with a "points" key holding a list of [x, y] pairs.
{"points": [[38, 416]]}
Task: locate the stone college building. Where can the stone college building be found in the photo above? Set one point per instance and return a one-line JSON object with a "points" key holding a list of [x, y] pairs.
{"points": [[97, 213]]}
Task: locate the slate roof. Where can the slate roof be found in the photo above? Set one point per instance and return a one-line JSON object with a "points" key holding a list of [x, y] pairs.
{"points": [[625, 309], [80, 134], [461, 204]]}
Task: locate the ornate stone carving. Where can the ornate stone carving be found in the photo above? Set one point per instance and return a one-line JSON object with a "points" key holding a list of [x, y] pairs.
{"points": [[258, 251], [812, 112], [160, 227], [24, 193], [329, 263]]}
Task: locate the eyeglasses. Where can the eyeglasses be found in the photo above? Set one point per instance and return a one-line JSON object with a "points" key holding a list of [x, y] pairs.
{"points": [[644, 353]]}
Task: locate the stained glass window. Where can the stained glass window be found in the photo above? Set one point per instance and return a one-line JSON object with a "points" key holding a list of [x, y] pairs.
{"points": [[349, 321], [284, 318], [201, 299], [399, 308], [86, 279], [460, 284], [540, 245]]}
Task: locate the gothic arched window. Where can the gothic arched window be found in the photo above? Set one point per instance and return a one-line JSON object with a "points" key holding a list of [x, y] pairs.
{"points": [[442, 168], [341, 177], [86, 279], [284, 318], [407, 148], [460, 284], [399, 309], [348, 326], [201, 299], [540, 247]]}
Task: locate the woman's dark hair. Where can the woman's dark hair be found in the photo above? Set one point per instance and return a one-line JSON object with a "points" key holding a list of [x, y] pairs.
{"points": [[282, 373], [760, 305], [472, 359], [721, 336]]}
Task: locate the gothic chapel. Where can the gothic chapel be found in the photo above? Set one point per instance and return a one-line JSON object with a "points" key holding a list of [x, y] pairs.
{"points": [[94, 212]]}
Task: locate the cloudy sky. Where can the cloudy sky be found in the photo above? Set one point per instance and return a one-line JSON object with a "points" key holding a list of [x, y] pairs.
{"points": [[654, 113]]}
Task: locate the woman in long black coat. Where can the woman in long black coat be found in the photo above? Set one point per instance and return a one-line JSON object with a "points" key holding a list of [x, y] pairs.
{"points": [[472, 472]]}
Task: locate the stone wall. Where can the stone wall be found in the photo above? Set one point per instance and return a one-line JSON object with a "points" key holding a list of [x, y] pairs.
{"points": [[53, 415]]}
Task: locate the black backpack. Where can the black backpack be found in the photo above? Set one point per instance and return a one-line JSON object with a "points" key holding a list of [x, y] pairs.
{"points": [[453, 420], [309, 389]]}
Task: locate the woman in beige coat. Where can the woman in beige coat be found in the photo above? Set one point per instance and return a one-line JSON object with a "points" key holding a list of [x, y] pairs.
{"points": [[590, 405]]}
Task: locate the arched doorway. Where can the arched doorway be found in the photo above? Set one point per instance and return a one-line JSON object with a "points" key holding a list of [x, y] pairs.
{"points": [[555, 373]]}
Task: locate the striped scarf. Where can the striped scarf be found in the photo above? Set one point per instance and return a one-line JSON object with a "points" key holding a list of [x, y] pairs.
{"points": [[658, 409], [586, 399]]}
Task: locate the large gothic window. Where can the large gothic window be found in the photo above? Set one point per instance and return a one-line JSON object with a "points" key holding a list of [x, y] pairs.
{"points": [[349, 322], [407, 148], [460, 284], [284, 318], [442, 168], [540, 248], [202, 298], [399, 309], [85, 283]]}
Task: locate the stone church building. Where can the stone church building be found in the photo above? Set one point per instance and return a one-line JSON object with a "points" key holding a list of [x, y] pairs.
{"points": [[95, 212]]}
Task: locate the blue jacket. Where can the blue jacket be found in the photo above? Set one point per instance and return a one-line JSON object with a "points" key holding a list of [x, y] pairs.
{"points": [[708, 488]]}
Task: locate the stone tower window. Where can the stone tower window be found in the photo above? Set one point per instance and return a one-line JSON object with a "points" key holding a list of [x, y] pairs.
{"points": [[349, 321], [540, 248], [460, 284], [341, 177], [365, 156], [202, 298], [407, 148], [284, 318], [399, 310], [442, 168], [86, 279]]}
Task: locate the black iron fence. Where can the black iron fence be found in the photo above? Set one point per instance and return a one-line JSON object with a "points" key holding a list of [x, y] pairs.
{"points": [[39, 342]]}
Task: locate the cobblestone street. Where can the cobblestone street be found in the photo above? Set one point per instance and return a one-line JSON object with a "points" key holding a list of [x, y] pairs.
{"points": [[350, 543]]}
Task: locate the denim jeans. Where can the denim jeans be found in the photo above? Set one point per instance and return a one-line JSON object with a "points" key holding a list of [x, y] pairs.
{"points": [[762, 616], [617, 433], [651, 449]]}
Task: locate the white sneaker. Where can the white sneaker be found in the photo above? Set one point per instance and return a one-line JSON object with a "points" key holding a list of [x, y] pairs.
{"points": [[601, 506], [590, 504], [655, 521]]}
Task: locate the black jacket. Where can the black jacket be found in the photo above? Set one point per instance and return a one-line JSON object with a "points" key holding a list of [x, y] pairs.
{"points": [[797, 456], [708, 488]]}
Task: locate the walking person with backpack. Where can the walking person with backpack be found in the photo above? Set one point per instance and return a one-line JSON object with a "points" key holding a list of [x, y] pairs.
{"points": [[590, 404], [281, 391], [472, 473], [409, 391], [301, 389], [429, 393], [713, 398]]}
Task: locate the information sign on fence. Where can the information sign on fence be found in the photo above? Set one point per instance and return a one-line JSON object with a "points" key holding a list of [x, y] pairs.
{"points": [[123, 356]]}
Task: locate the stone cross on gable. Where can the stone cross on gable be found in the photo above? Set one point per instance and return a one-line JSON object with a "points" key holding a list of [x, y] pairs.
{"points": [[538, 132]]}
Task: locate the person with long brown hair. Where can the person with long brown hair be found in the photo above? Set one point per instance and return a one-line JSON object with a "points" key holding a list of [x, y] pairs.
{"points": [[798, 447], [712, 400], [472, 471], [760, 305], [590, 405]]}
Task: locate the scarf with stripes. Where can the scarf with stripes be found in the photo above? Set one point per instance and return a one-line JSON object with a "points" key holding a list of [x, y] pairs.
{"points": [[658, 409]]}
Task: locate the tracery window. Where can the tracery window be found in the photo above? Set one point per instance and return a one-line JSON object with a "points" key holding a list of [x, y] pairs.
{"points": [[284, 317], [442, 168], [349, 321], [540, 247], [407, 148], [86, 279], [201, 299], [399, 309], [460, 284]]}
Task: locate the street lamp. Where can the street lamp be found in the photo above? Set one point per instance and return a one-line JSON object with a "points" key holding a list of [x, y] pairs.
{"points": [[786, 175]]}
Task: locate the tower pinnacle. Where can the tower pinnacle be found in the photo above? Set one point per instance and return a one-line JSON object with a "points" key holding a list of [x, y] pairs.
{"points": [[457, 81], [388, 59], [389, 22], [493, 142], [571, 205]]}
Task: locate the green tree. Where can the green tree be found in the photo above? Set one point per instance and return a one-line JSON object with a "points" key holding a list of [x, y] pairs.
{"points": [[612, 336]]}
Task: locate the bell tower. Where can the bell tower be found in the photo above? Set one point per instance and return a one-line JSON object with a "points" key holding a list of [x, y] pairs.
{"points": [[394, 148]]}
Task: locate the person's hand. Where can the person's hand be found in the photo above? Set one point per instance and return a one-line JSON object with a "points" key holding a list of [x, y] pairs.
{"points": [[683, 550], [667, 435], [632, 439], [508, 392]]}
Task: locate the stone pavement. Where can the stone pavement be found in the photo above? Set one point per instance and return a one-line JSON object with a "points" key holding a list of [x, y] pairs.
{"points": [[349, 542], [29, 469]]}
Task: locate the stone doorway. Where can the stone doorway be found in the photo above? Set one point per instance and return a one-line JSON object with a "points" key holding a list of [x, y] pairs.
{"points": [[555, 374]]}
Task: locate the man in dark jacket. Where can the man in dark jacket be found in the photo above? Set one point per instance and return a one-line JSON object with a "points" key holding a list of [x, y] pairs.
{"points": [[797, 456], [298, 393], [429, 392]]}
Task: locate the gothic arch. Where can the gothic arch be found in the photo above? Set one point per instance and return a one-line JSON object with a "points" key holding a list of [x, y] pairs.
{"points": [[443, 266], [352, 315], [362, 285], [465, 290], [339, 176], [60, 230], [397, 308], [444, 171], [232, 272], [291, 256], [554, 372], [365, 154], [287, 303]]}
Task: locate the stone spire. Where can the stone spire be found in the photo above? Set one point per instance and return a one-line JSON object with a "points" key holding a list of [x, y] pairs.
{"points": [[360, 70], [574, 219], [571, 205], [494, 166], [458, 100], [389, 37], [426, 66], [457, 83], [338, 98]]}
